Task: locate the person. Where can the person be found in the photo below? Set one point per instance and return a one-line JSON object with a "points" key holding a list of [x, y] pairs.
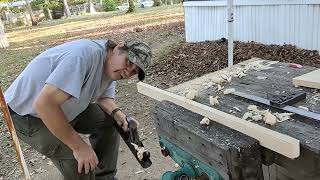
{"points": [[70, 89]]}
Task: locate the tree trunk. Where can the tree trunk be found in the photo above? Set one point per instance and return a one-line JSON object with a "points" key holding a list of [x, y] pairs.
{"points": [[131, 6], [26, 19], [48, 10], [33, 19], [171, 2], [49, 13], [3, 38], [91, 7], [101, 3], [66, 8], [157, 2]]}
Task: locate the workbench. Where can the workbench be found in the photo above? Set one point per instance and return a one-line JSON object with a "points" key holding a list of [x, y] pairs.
{"points": [[235, 155]]}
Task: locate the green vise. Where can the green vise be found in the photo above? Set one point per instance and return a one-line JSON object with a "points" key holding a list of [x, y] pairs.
{"points": [[191, 168]]}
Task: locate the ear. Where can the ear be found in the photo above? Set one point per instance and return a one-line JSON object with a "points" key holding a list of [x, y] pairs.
{"points": [[121, 44]]}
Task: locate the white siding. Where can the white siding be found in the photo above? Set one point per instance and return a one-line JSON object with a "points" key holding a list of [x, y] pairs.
{"points": [[280, 22]]}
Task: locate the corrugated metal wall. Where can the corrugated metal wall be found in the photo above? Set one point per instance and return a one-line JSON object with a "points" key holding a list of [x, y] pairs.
{"points": [[280, 22]]}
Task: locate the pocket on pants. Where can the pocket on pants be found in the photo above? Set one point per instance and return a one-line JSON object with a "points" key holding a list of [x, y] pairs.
{"points": [[21, 124], [35, 125], [40, 138]]}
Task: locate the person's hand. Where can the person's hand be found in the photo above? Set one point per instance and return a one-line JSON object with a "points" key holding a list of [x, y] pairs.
{"points": [[86, 158], [122, 121]]}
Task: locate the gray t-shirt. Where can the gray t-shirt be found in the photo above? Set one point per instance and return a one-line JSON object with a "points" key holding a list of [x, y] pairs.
{"points": [[74, 67]]}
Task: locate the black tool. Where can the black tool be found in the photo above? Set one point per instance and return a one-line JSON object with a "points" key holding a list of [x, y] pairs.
{"points": [[131, 137], [283, 100]]}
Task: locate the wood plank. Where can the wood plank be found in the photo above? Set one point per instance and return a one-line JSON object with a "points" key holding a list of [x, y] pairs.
{"points": [[280, 143], [311, 80]]}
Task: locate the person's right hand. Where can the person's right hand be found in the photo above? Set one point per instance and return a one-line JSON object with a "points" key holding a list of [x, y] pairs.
{"points": [[86, 158]]}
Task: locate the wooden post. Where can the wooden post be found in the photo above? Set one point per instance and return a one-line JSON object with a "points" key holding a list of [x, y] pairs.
{"points": [[8, 120]]}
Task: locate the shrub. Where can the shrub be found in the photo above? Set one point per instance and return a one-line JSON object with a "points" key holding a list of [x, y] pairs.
{"points": [[37, 4], [17, 9], [76, 2], [109, 5]]}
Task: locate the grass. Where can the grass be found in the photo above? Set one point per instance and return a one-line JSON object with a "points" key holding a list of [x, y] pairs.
{"points": [[28, 42]]}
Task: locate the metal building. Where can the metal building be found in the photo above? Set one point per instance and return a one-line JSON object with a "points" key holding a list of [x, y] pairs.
{"points": [[295, 22]]}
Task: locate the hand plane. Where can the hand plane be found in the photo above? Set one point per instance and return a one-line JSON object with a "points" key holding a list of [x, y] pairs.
{"points": [[131, 138]]}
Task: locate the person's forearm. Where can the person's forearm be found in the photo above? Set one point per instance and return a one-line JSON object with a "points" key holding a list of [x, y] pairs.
{"points": [[55, 120], [108, 105]]}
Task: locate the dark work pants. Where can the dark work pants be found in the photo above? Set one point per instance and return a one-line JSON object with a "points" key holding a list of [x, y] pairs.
{"points": [[104, 139]]}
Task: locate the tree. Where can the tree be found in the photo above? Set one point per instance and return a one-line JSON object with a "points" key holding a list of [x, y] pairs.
{"points": [[47, 9], [33, 19], [66, 8], [91, 8], [131, 6], [157, 2], [3, 38], [42, 5]]}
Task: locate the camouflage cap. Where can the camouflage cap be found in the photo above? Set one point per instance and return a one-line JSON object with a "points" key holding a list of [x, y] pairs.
{"points": [[139, 53]]}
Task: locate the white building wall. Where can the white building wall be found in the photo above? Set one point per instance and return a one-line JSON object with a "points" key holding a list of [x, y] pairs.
{"points": [[279, 22]]}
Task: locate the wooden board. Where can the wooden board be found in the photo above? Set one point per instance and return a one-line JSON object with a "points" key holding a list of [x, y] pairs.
{"points": [[311, 80], [280, 143]]}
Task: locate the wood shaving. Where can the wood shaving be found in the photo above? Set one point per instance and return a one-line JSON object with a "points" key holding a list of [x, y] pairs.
{"points": [[210, 84], [140, 151], [236, 108], [223, 76], [269, 118], [205, 121], [254, 114], [253, 108], [247, 115], [257, 117], [226, 77], [229, 91], [213, 100], [139, 172], [283, 116], [242, 75], [217, 80], [191, 94], [219, 87]]}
